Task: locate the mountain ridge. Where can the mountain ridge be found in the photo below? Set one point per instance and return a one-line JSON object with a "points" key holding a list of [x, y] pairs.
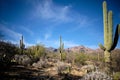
{"points": [[76, 49]]}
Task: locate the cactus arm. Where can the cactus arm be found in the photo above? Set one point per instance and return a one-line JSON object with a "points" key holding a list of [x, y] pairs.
{"points": [[110, 30], [102, 47], [105, 24], [62, 46], [119, 29], [116, 37]]}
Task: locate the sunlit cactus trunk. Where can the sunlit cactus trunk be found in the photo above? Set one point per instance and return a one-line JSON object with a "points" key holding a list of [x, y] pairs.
{"points": [[108, 31], [61, 48], [109, 43]]}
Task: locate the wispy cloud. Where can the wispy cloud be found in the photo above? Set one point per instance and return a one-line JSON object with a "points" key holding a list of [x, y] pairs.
{"points": [[58, 14], [27, 30], [48, 10], [47, 36], [14, 35]]}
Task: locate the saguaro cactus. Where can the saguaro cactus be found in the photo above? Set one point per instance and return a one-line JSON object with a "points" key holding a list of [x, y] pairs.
{"points": [[61, 49], [109, 42], [22, 46]]}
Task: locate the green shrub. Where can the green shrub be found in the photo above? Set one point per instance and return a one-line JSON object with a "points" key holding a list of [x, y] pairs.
{"points": [[116, 60], [7, 51], [116, 76], [36, 51], [80, 58], [63, 56]]}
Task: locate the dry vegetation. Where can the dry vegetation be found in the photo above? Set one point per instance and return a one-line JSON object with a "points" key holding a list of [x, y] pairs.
{"points": [[37, 63]]}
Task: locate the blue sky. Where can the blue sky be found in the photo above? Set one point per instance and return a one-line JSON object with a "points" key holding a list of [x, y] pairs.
{"points": [[79, 22]]}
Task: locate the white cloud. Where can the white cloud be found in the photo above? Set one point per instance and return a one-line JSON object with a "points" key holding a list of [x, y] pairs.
{"points": [[47, 36], [14, 35], [48, 10], [58, 14]]}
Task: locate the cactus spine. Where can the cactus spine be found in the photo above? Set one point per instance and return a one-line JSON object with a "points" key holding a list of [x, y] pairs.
{"points": [[109, 43], [22, 44], [61, 48]]}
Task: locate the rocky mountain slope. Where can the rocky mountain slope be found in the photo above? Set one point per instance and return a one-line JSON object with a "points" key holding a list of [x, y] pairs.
{"points": [[76, 49]]}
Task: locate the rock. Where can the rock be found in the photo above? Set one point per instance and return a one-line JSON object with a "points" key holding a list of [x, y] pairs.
{"points": [[87, 68], [89, 63], [52, 71], [96, 75], [77, 73], [41, 64], [22, 59], [63, 67]]}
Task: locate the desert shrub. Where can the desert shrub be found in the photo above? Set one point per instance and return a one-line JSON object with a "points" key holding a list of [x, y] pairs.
{"points": [[80, 58], [52, 55], [39, 50], [70, 57], [7, 51], [115, 60], [64, 56], [95, 57], [36, 52], [116, 76]]}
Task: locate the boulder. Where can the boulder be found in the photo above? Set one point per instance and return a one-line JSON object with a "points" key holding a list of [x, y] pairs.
{"points": [[97, 75], [41, 64], [22, 59], [87, 68], [63, 67]]}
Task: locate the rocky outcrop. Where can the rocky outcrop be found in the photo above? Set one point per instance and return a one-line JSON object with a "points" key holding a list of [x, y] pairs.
{"points": [[80, 49], [96, 75], [22, 59]]}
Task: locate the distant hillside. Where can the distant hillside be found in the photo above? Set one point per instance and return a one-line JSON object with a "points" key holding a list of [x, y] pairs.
{"points": [[51, 49], [81, 49], [77, 49]]}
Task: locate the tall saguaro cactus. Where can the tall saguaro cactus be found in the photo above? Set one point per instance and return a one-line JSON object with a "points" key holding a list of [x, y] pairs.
{"points": [[61, 49], [109, 42], [22, 44]]}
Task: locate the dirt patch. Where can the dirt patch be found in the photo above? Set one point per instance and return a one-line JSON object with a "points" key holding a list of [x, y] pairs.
{"points": [[18, 72]]}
